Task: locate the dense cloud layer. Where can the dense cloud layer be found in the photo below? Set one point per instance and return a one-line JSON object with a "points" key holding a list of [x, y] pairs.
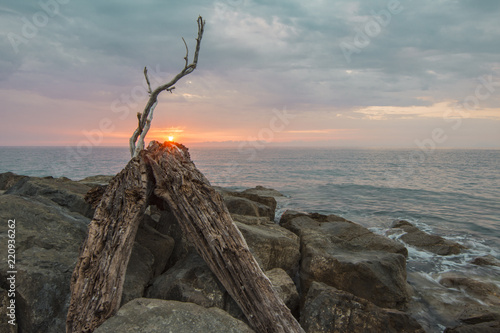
{"points": [[352, 72]]}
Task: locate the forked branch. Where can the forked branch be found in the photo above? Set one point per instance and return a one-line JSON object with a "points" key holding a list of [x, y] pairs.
{"points": [[137, 140]]}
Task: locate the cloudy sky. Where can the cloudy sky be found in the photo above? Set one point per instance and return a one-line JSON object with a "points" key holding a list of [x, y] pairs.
{"points": [[335, 73]]}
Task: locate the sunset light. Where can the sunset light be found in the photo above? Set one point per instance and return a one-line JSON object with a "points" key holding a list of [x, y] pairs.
{"points": [[170, 138]]}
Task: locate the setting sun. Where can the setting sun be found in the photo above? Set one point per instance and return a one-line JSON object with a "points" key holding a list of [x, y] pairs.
{"points": [[170, 138]]}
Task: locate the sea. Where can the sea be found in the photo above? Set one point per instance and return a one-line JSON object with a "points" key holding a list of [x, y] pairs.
{"points": [[452, 193]]}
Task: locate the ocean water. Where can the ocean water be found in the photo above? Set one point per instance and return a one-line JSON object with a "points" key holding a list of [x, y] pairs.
{"points": [[452, 193]]}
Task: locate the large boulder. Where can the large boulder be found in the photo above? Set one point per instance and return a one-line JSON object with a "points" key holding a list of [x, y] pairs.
{"points": [[169, 226], [8, 179], [157, 316], [47, 244], [327, 309], [244, 206], [62, 191], [50, 228], [349, 257], [272, 246], [263, 192], [424, 241], [189, 280], [158, 244], [139, 273], [252, 202], [285, 288]]}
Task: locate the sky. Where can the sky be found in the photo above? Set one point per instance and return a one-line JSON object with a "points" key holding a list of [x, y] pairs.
{"points": [[297, 73]]}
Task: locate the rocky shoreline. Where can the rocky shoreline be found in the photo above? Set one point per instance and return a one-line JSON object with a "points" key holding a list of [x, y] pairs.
{"points": [[334, 275]]}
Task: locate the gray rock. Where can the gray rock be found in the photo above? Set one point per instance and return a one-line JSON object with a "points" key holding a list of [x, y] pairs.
{"points": [[5, 326], [97, 180], [349, 233], [168, 225], [157, 316], [487, 292], [47, 243], [425, 241], [244, 206], [160, 245], [487, 260], [272, 246], [189, 280], [349, 257], [285, 288], [139, 273], [251, 220], [263, 192], [486, 327], [8, 179], [62, 191], [327, 309]]}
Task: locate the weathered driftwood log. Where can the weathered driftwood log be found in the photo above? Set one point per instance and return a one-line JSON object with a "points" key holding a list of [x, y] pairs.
{"points": [[206, 222], [97, 281]]}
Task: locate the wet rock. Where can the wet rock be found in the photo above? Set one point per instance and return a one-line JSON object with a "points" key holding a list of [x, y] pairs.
{"points": [[155, 316], [422, 240], [487, 327], [487, 260], [349, 257], [62, 191], [47, 244], [448, 306], [482, 322], [272, 246], [485, 291], [139, 273], [189, 280], [477, 316], [327, 309]]}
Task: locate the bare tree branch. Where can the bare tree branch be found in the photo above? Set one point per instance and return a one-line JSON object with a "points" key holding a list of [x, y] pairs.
{"points": [[145, 118], [147, 80]]}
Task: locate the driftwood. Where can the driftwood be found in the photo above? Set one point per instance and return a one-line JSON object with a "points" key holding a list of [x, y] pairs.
{"points": [[206, 222], [168, 170], [136, 142], [97, 280]]}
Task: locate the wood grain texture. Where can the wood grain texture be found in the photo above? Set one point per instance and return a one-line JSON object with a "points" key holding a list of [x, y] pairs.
{"points": [[164, 174], [205, 220], [97, 280]]}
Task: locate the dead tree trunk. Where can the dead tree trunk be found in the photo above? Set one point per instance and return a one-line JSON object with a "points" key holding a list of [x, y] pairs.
{"points": [[206, 222], [97, 281], [167, 169]]}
